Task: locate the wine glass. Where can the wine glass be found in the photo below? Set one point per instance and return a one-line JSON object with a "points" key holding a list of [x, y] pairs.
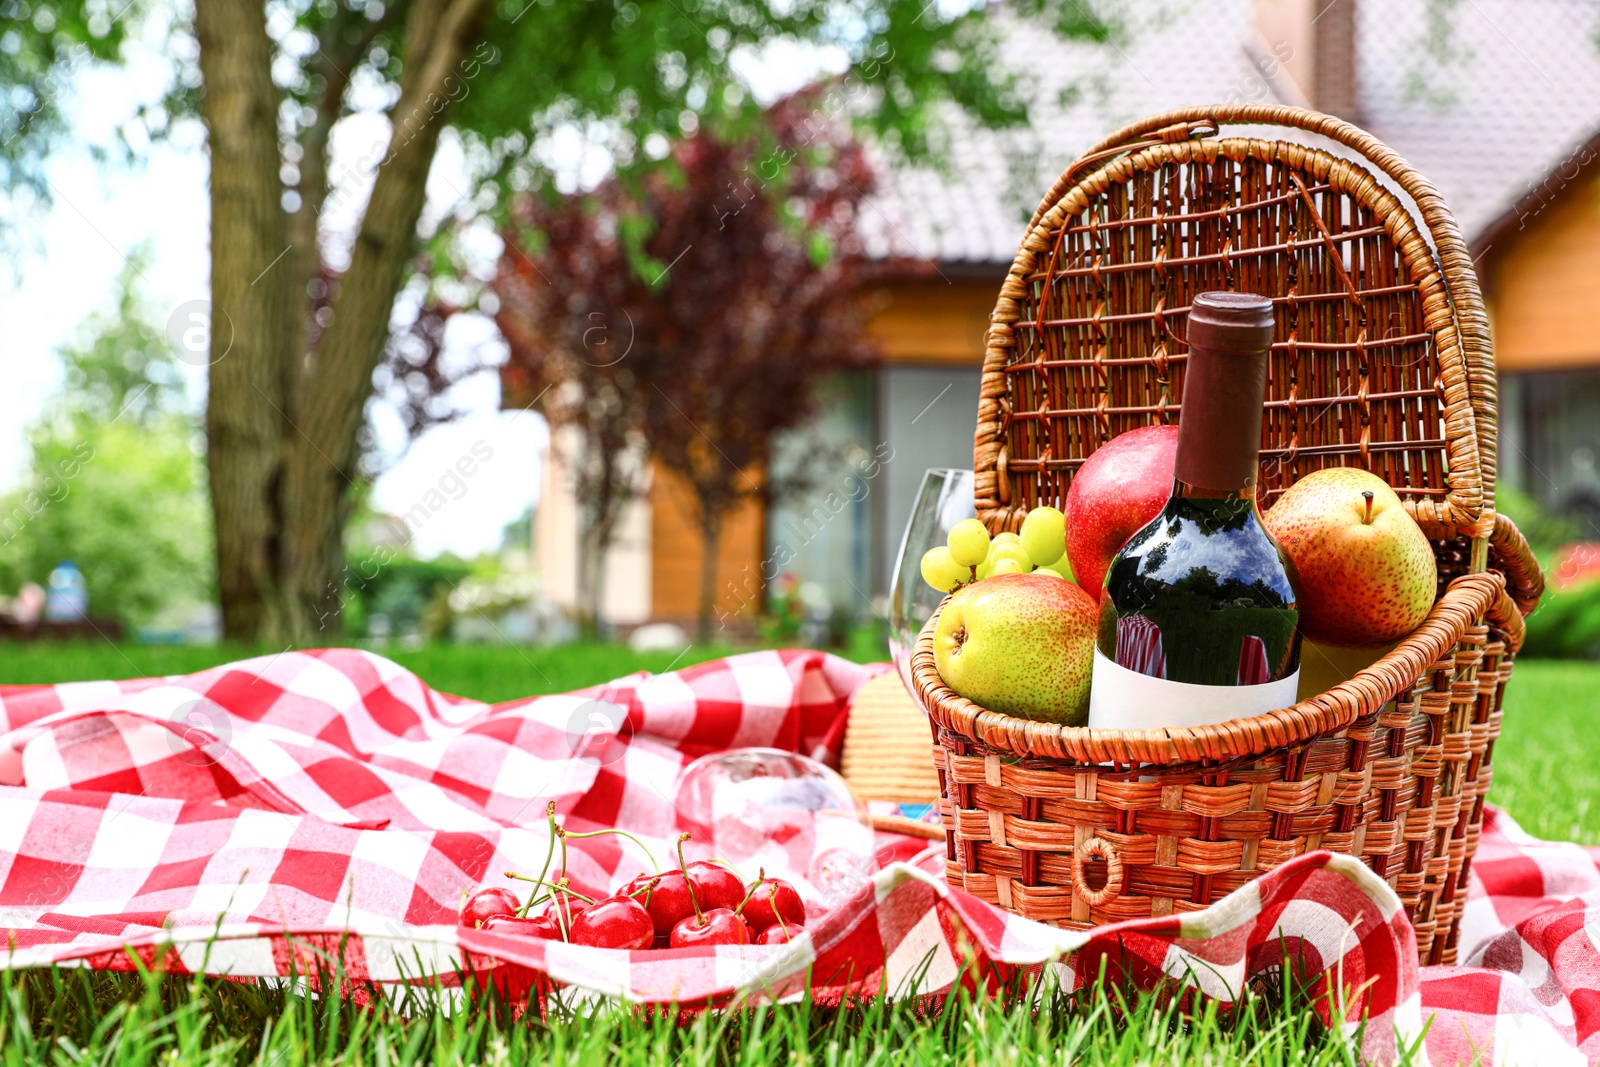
{"points": [[944, 500], [763, 809]]}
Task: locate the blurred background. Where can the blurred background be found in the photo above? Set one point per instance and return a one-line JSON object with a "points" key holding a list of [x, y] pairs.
{"points": [[525, 323]]}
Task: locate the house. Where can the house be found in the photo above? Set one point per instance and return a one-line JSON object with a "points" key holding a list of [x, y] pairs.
{"points": [[1497, 102]]}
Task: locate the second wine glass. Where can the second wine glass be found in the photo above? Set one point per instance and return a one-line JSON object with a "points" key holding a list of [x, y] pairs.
{"points": [[946, 497]]}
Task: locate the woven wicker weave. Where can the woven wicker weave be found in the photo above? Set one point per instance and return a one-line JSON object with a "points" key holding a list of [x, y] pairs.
{"points": [[1382, 361]]}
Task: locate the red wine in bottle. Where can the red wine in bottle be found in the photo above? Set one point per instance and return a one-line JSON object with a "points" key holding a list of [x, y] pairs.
{"points": [[1198, 622]]}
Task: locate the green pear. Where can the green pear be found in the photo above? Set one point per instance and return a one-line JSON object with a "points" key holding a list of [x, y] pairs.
{"points": [[1021, 644], [1367, 574]]}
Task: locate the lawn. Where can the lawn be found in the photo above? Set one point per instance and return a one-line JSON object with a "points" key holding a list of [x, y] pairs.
{"points": [[1542, 776]]}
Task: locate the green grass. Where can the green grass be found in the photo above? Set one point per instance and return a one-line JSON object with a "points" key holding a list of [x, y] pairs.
{"points": [[1547, 769], [79, 1017], [485, 672]]}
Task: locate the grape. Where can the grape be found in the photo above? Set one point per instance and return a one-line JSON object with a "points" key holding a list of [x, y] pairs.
{"points": [[1006, 565], [1044, 535], [1052, 572], [942, 572], [1006, 537], [969, 542], [1006, 550]]}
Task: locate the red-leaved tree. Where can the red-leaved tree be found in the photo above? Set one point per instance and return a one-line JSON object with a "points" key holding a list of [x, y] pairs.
{"points": [[687, 317]]}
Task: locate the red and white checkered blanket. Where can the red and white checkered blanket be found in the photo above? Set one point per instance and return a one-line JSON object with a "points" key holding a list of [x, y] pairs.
{"points": [[254, 818]]}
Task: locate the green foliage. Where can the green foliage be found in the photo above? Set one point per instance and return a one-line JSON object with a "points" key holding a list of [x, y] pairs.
{"points": [[1544, 531], [408, 592], [1566, 624], [43, 45], [115, 480], [627, 73]]}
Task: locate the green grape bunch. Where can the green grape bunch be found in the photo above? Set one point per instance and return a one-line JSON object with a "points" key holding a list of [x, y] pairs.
{"points": [[970, 555]]}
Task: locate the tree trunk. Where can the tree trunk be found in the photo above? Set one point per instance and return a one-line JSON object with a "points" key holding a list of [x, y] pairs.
{"points": [[282, 427], [710, 534], [253, 315], [592, 578], [320, 466]]}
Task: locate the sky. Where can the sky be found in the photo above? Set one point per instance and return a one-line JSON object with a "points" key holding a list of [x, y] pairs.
{"points": [[65, 258]]}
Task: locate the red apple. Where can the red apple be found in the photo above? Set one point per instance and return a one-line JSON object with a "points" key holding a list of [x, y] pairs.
{"points": [[1121, 487]]}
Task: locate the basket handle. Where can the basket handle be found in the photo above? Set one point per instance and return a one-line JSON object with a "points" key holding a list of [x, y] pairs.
{"points": [[1514, 557], [1458, 276], [1096, 898]]}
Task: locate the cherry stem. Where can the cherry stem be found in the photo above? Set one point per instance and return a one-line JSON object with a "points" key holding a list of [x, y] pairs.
{"points": [[761, 876], [772, 897], [699, 916], [550, 851], [621, 833], [560, 886], [649, 891], [1366, 519]]}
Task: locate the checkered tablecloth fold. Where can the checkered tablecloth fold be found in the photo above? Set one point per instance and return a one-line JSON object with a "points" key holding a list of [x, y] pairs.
{"points": [[265, 815]]}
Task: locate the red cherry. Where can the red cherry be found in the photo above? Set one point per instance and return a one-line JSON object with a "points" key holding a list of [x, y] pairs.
{"points": [[669, 902], [615, 922], [721, 926], [772, 900], [485, 904], [715, 886], [779, 934], [541, 926], [565, 907]]}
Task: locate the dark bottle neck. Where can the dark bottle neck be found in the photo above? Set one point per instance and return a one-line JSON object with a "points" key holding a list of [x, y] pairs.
{"points": [[1182, 490], [1225, 382]]}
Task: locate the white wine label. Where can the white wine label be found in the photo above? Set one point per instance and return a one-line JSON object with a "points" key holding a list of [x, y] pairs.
{"points": [[1121, 699]]}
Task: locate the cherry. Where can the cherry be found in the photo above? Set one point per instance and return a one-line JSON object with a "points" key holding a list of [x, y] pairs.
{"points": [[779, 934], [772, 900], [615, 922], [567, 906], [715, 886], [669, 902], [718, 926], [541, 926], [486, 904]]}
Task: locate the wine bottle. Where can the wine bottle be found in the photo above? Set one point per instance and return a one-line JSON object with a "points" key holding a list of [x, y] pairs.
{"points": [[1198, 622]]}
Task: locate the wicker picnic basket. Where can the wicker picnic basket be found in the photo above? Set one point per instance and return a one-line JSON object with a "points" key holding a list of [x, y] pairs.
{"points": [[1381, 360]]}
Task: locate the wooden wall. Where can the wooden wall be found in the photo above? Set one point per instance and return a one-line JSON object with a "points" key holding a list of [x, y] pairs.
{"points": [[1543, 281], [932, 321], [935, 321], [675, 555]]}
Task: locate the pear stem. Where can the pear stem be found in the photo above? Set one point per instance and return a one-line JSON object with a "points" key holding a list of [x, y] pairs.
{"points": [[1366, 519]]}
